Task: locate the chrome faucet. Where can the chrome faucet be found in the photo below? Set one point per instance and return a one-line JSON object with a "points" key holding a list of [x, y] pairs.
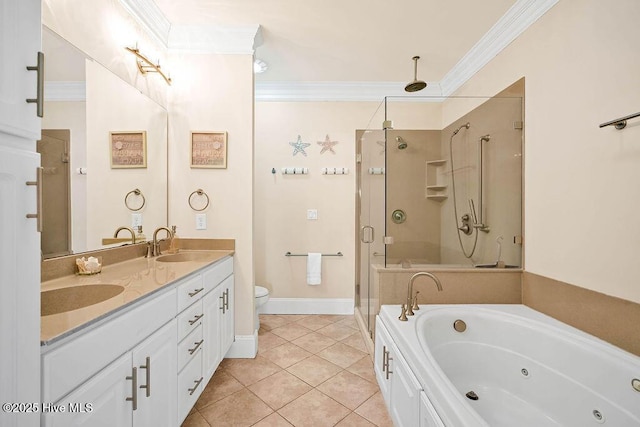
{"points": [[133, 234], [156, 243], [412, 304]]}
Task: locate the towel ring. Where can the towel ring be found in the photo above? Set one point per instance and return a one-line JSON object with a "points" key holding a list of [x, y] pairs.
{"points": [[199, 192], [137, 192]]}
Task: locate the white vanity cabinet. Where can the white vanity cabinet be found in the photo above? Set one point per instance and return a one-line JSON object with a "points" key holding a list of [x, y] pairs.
{"points": [[20, 243], [205, 330], [399, 386], [138, 389]]}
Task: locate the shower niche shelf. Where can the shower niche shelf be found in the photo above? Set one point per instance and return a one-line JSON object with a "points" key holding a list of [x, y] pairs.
{"points": [[434, 176]]}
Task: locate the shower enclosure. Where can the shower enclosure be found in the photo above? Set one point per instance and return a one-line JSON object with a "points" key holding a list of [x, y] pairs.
{"points": [[439, 187]]}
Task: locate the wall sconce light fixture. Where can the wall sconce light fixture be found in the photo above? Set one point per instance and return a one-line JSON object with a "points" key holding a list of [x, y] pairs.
{"points": [[146, 66]]}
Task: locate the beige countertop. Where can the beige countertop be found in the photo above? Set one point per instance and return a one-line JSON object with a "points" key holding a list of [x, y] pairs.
{"points": [[140, 277]]}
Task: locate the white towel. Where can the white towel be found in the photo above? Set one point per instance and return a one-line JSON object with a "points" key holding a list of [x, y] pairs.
{"points": [[314, 267]]}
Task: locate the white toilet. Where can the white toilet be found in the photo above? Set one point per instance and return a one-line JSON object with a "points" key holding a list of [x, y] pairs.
{"points": [[262, 296]]}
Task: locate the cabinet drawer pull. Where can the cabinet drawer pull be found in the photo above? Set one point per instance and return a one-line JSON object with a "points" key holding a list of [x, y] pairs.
{"points": [[388, 370], [195, 387], [39, 99], [198, 344], [134, 388], [195, 292], [222, 307], [147, 368], [384, 358], [226, 299], [38, 184], [195, 319]]}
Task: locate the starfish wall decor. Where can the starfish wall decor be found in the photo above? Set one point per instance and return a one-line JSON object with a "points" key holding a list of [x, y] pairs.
{"points": [[299, 146], [327, 145]]}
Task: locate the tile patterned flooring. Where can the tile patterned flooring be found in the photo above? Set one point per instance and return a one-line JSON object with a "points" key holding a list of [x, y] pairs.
{"points": [[311, 370]]}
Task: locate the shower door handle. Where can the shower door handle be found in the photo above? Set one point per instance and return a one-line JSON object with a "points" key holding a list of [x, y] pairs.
{"points": [[362, 233]]}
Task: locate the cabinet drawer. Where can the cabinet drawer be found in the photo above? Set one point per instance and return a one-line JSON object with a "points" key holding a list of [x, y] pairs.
{"points": [[190, 385], [189, 320], [190, 291], [188, 347], [216, 274]]}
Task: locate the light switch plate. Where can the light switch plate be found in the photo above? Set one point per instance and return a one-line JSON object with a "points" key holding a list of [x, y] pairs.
{"points": [[136, 220], [312, 214], [201, 221]]}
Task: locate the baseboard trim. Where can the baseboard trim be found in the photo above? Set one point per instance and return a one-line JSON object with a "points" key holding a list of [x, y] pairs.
{"points": [[308, 306], [244, 347]]}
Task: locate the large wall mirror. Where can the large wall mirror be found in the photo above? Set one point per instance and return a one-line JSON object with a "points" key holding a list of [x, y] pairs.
{"points": [[104, 153]]}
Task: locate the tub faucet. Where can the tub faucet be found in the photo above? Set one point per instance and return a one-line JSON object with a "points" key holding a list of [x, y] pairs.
{"points": [[133, 235], [156, 243], [411, 304]]}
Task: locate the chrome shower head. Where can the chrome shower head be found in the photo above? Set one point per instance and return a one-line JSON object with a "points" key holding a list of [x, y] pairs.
{"points": [[402, 144], [416, 84]]}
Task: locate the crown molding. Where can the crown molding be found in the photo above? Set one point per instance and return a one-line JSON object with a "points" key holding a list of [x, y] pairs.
{"points": [[215, 39], [65, 91], [339, 91], [151, 17], [513, 23]]}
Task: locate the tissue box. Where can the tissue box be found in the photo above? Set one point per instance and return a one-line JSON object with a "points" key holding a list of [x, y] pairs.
{"points": [[91, 265]]}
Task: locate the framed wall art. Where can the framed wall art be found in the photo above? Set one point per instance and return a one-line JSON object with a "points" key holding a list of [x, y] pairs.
{"points": [[128, 149], [209, 150]]}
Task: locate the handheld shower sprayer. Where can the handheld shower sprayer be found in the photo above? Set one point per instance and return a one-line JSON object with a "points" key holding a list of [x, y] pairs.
{"points": [[466, 126]]}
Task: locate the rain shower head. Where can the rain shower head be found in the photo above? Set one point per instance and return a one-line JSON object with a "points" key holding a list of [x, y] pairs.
{"points": [[402, 144], [416, 84]]}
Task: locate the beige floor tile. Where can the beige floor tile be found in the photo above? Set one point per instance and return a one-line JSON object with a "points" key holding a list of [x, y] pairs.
{"points": [[286, 354], [333, 318], [314, 370], [348, 389], [293, 317], [249, 371], [314, 409], [221, 385], [364, 369], [314, 342], [354, 420], [195, 420], [279, 389], [314, 322], [355, 340], [375, 411], [271, 321], [268, 340], [273, 420], [336, 331], [350, 322], [290, 331], [342, 354], [242, 408]]}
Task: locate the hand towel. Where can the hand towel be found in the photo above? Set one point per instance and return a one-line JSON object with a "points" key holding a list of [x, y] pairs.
{"points": [[314, 267]]}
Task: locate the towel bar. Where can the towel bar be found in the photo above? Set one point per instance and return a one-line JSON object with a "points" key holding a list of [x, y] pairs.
{"points": [[290, 254]]}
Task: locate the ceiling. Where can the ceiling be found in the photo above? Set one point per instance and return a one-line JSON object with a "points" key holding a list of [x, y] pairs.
{"points": [[350, 40]]}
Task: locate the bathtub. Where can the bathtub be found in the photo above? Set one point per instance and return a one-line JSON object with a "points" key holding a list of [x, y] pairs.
{"points": [[525, 368]]}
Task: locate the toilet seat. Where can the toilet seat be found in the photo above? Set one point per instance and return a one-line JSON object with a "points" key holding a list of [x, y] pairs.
{"points": [[261, 292]]}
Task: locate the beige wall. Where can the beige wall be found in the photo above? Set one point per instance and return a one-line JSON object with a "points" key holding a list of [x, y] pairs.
{"points": [[215, 93], [580, 181]]}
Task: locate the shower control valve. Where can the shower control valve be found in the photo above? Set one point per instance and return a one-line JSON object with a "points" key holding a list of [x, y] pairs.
{"points": [[466, 227]]}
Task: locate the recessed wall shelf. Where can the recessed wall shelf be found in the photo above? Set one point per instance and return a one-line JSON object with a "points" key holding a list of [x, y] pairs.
{"points": [[434, 181]]}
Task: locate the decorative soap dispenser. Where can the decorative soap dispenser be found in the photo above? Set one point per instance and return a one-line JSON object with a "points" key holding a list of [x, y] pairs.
{"points": [[174, 247], [140, 237]]}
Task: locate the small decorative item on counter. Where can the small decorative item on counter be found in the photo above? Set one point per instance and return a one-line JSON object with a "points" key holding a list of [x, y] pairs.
{"points": [[140, 237], [174, 247], [91, 265]]}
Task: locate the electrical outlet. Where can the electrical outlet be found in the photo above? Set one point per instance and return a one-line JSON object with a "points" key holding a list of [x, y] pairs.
{"points": [[201, 221], [312, 214], [136, 220]]}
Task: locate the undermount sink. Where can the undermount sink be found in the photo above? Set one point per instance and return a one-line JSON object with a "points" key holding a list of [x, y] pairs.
{"points": [[74, 297], [185, 256]]}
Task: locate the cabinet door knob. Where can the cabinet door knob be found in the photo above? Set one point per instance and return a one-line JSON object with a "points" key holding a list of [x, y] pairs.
{"points": [[134, 388], [39, 99], [147, 368]]}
